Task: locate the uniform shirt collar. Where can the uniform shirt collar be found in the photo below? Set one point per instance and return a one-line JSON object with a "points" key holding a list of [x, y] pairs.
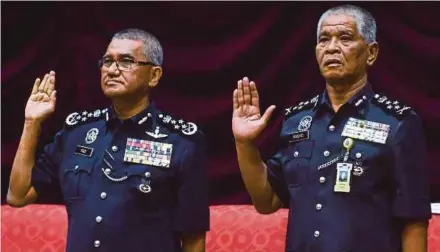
{"points": [[144, 117], [357, 101]]}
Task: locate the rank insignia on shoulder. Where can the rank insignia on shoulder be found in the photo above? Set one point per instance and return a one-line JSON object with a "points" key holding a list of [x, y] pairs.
{"points": [[85, 117], [311, 103], [181, 126], [145, 118], [392, 107]]}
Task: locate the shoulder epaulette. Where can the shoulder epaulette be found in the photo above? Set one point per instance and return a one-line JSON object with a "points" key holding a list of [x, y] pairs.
{"points": [[390, 106], [176, 125], [79, 118], [311, 103]]}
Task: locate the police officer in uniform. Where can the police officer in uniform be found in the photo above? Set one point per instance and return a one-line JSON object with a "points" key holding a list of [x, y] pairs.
{"points": [[133, 178], [350, 163]]}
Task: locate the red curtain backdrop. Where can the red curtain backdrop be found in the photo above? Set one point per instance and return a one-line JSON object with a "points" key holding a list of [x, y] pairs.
{"points": [[208, 46]]}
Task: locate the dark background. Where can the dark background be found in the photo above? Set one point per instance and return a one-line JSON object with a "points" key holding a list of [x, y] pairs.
{"points": [[208, 46]]}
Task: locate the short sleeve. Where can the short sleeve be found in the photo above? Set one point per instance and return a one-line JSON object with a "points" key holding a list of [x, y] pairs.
{"points": [[276, 178], [192, 211], [45, 177], [411, 198]]}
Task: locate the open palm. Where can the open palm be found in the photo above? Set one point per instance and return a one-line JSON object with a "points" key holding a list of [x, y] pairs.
{"points": [[247, 121], [42, 101]]}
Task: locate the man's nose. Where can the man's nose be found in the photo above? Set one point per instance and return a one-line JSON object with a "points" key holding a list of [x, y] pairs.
{"points": [[333, 46], [114, 68]]}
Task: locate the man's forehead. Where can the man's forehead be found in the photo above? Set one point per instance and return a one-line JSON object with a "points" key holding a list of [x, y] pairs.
{"points": [[338, 22], [125, 46]]}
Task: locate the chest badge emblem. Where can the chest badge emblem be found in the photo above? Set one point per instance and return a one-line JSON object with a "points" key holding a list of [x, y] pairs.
{"points": [[305, 123], [91, 135]]}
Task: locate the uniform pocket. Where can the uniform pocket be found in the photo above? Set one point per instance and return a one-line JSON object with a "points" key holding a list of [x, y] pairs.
{"points": [[370, 168], [150, 188], [76, 180], [139, 179], [296, 165]]}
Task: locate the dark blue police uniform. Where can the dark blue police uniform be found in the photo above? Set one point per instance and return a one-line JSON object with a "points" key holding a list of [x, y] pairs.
{"points": [[353, 197], [129, 185]]}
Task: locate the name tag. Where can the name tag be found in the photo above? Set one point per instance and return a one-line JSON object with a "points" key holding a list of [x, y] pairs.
{"points": [[366, 130], [148, 152], [83, 150], [299, 136]]}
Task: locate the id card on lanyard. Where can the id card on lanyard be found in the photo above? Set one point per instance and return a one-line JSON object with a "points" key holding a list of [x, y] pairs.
{"points": [[343, 169]]}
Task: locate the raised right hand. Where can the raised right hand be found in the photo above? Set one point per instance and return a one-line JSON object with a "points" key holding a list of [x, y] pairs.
{"points": [[41, 103], [247, 122]]}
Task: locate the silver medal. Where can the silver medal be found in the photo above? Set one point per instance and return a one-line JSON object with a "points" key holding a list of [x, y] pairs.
{"points": [[358, 171], [144, 188]]}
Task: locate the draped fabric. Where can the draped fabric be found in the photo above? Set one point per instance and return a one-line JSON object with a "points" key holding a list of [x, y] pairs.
{"points": [[208, 46]]}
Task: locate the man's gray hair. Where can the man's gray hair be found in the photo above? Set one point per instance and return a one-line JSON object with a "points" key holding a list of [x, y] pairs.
{"points": [[152, 48], [365, 22]]}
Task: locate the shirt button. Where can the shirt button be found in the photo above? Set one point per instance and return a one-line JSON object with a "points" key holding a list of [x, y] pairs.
{"points": [[107, 171], [326, 153], [295, 154], [331, 127], [114, 148], [318, 206], [103, 195], [147, 174], [316, 234], [358, 155], [97, 243], [98, 219], [322, 180], [76, 167]]}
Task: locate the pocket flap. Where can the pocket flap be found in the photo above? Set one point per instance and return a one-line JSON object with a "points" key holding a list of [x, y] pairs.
{"points": [[78, 167], [361, 153], [138, 170], [303, 149]]}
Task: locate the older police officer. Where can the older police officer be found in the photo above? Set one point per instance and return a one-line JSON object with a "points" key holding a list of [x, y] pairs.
{"points": [[133, 178], [350, 162]]}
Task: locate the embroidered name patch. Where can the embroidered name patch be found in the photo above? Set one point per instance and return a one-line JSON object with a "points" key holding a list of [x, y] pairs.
{"points": [[83, 150], [299, 136]]}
